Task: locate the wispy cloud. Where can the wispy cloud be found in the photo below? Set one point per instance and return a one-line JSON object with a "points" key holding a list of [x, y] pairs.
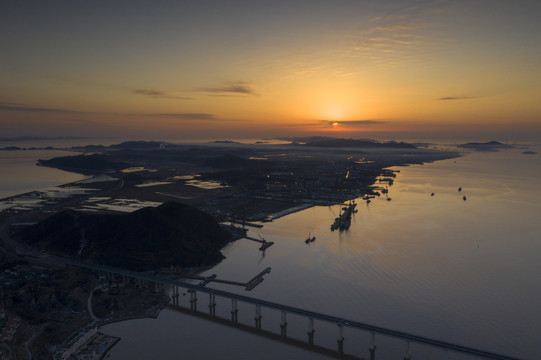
{"points": [[147, 92], [158, 94], [28, 108], [185, 116], [399, 35], [459, 97], [352, 122], [237, 87]]}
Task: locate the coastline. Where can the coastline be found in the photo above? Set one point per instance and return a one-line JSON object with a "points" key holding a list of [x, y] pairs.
{"points": [[290, 211]]}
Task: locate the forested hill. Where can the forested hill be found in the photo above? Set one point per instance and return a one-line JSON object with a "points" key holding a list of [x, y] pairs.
{"points": [[171, 234]]}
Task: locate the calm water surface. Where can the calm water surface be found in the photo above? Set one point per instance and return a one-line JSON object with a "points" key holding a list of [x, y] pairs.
{"points": [[20, 173], [437, 266]]}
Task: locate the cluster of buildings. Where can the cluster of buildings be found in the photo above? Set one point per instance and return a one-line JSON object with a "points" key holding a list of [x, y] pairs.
{"points": [[87, 344]]}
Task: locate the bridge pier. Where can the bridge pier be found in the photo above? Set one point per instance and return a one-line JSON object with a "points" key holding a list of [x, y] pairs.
{"points": [[407, 356], [311, 331], [258, 316], [193, 300], [340, 339], [372, 347], [175, 296], [234, 311], [212, 305], [283, 325]]}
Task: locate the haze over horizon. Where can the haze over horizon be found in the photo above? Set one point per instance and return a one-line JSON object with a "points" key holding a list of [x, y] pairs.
{"points": [[248, 69]]}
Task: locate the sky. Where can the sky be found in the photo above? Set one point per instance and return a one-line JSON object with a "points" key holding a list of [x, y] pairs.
{"points": [[256, 68]]}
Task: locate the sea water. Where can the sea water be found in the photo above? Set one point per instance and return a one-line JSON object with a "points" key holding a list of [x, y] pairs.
{"points": [[457, 266], [21, 175]]}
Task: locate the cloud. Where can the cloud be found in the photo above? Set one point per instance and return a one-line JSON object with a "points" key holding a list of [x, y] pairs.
{"points": [[238, 87], [158, 94], [400, 35], [148, 92], [185, 116], [459, 97], [27, 108], [353, 122]]}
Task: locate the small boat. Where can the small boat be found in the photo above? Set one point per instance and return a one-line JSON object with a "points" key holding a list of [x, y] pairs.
{"points": [[459, 189], [432, 194], [464, 198]]}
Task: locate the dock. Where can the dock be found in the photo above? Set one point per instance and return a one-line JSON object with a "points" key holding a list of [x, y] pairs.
{"points": [[246, 223], [256, 280], [264, 243]]}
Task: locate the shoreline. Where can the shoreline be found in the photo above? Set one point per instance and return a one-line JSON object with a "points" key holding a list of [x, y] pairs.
{"points": [[290, 211]]}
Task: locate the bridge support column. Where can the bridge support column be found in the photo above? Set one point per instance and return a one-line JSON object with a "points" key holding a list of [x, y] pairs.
{"points": [[193, 300], [156, 286], [258, 317], [372, 347], [445, 354], [283, 325], [234, 311], [407, 356], [311, 331], [340, 339], [175, 296], [212, 305]]}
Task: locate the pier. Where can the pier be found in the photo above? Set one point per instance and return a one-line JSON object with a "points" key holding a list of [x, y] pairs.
{"points": [[264, 243], [246, 223]]}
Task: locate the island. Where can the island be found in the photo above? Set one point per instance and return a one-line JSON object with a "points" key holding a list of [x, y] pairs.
{"points": [[486, 146]]}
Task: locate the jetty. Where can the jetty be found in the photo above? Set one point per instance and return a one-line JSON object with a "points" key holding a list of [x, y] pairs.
{"points": [[246, 223], [264, 243]]}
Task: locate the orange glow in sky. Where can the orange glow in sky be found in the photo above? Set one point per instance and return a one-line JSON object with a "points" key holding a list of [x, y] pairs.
{"points": [[252, 69]]}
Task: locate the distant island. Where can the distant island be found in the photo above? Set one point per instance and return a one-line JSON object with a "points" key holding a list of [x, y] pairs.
{"points": [[225, 142], [485, 146], [322, 141], [42, 138]]}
